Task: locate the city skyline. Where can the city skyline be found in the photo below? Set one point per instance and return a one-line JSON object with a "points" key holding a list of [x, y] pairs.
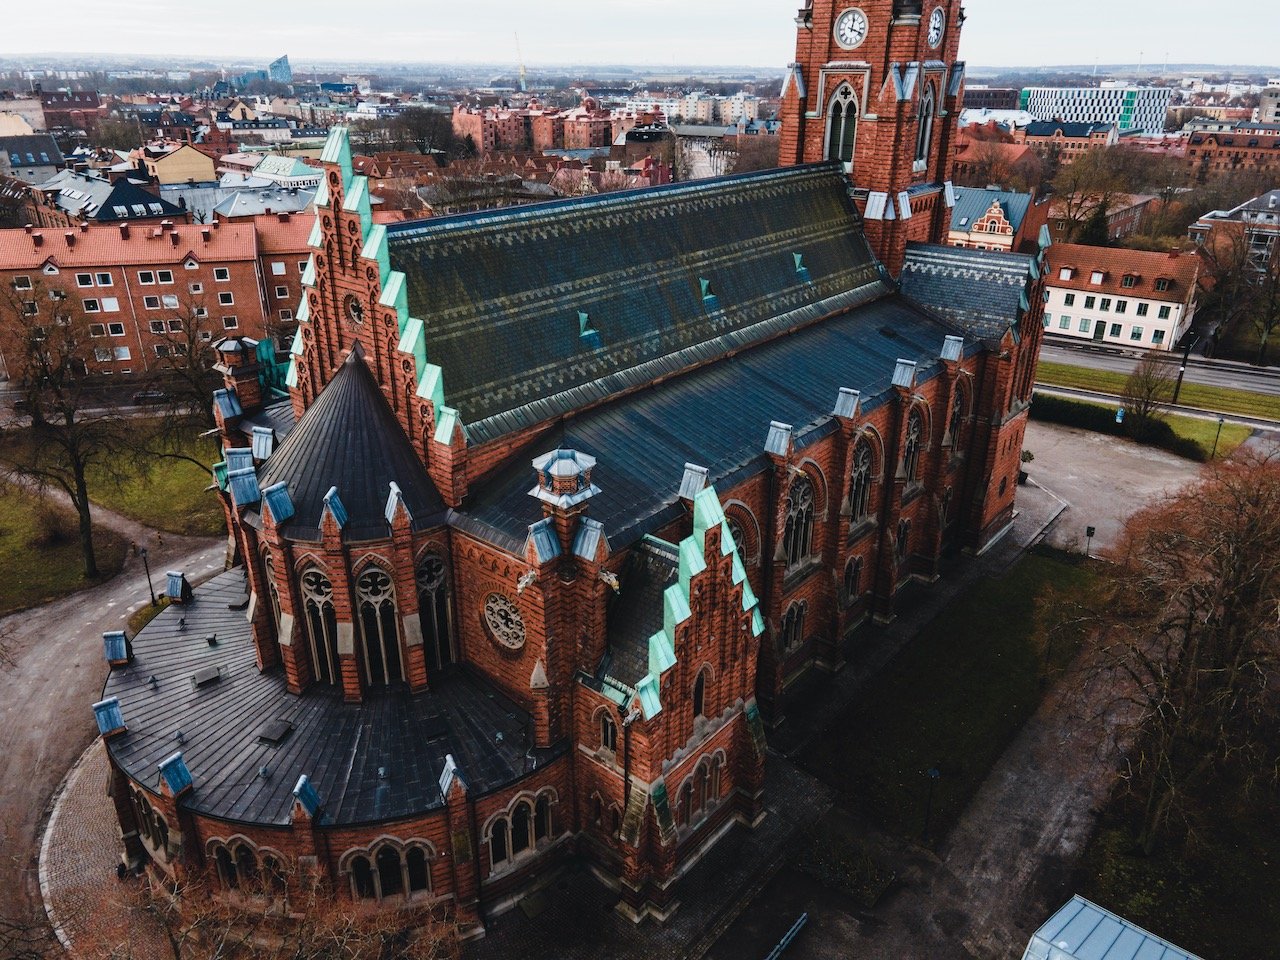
{"points": [[757, 33]]}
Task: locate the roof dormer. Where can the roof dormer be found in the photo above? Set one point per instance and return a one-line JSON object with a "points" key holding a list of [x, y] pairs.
{"points": [[1098, 277]]}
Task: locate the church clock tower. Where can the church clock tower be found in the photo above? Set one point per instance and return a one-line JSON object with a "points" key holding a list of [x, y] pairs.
{"points": [[877, 86]]}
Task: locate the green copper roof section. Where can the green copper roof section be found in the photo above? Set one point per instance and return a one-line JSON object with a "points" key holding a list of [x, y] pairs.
{"points": [[357, 201], [431, 386], [707, 513], [394, 296], [304, 311], [316, 240], [662, 654], [220, 475], [447, 420], [647, 693], [675, 609], [291, 378], [414, 341], [375, 248], [337, 149], [322, 194], [295, 349], [692, 562], [309, 274]]}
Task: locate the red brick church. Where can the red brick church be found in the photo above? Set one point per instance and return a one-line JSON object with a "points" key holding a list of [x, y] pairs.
{"points": [[561, 500]]}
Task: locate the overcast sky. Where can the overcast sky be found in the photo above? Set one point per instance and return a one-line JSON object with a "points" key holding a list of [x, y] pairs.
{"points": [[658, 32]]}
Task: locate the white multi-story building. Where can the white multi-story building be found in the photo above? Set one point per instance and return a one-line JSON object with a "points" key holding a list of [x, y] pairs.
{"points": [[1120, 298], [1269, 105], [1129, 108]]}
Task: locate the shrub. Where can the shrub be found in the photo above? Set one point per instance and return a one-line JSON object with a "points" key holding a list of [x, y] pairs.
{"points": [[53, 526], [1091, 416]]}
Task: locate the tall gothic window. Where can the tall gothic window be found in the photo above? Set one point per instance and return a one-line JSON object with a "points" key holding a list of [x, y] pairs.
{"points": [[433, 610], [269, 571], [376, 603], [956, 427], [797, 536], [852, 580], [911, 448], [322, 625], [924, 130], [700, 695], [792, 633], [843, 130], [860, 484]]}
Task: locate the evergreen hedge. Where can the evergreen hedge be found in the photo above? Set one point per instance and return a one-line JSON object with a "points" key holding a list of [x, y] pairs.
{"points": [[1090, 416]]}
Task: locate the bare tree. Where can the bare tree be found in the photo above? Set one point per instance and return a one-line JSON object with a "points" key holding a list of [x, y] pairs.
{"points": [[1187, 644], [1084, 185], [1147, 394], [76, 429]]}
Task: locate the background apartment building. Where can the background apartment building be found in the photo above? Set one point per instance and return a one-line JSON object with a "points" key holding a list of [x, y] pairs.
{"points": [[1119, 297], [1129, 108]]}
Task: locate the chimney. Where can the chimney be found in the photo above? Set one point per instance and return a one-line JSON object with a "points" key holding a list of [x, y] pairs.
{"points": [[84, 226], [166, 225], [284, 217], [28, 227], [71, 239], [124, 231], [205, 234], [173, 239]]}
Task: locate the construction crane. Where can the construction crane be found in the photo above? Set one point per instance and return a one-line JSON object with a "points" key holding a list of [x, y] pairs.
{"points": [[524, 86]]}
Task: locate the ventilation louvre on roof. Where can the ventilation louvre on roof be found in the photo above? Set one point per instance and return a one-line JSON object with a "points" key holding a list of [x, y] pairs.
{"points": [[206, 677], [275, 732]]}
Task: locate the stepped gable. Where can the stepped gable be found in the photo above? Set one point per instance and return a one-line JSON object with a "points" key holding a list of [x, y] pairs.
{"points": [[537, 311], [350, 439], [981, 291]]}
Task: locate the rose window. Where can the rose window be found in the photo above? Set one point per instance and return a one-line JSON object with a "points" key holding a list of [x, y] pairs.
{"points": [[504, 621]]}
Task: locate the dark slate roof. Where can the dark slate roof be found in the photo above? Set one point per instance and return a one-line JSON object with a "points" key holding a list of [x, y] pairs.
{"points": [[349, 438], [635, 613], [717, 416], [972, 204], [339, 746], [38, 150], [277, 417], [503, 293], [979, 290], [1047, 128]]}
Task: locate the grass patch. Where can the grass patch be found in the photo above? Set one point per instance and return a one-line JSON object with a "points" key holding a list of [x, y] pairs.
{"points": [[955, 698], [163, 492], [170, 495], [40, 551], [1219, 399], [1215, 897], [144, 615], [1202, 435], [1240, 342]]}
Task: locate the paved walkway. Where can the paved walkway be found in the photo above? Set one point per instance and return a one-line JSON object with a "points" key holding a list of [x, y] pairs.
{"points": [[45, 720]]}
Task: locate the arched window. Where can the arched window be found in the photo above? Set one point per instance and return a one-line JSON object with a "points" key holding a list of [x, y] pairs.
{"points": [[269, 571], [418, 869], [597, 809], [499, 851], [684, 808], [793, 627], [860, 484], [362, 884], [274, 876], [852, 580], [226, 868], [911, 447], [902, 547], [542, 819], [390, 879], [376, 602], [322, 625], [246, 864], [521, 829], [739, 539], [797, 535], [615, 820], [433, 610], [959, 413], [842, 127], [608, 732], [924, 130], [700, 695]]}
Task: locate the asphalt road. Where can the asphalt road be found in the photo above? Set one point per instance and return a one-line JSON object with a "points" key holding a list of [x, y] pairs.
{"points": [[1213, 373], [45, 699]]}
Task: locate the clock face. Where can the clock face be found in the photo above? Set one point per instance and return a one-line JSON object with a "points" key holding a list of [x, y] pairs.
{"points": [[851, 28], [937, 22]]}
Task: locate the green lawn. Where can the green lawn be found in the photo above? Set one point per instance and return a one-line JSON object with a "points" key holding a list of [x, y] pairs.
{"points": [[171, 494], [40, 551], [954, 698], [167, 493], [1219, 399], [1241, 343]]}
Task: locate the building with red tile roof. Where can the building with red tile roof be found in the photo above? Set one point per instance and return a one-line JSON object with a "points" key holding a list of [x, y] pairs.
{"points": [[1120, 297]]}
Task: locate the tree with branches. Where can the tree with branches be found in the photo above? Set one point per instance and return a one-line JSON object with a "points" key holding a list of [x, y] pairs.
{"points": [[1147, 394], [76, 430], [1187, 646], [1083, 186]]}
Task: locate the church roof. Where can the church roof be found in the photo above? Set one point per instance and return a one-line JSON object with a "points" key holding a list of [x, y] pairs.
{"points": [[981, 291], [350, 439], [536, 311], [635, 612], [718, 416]]}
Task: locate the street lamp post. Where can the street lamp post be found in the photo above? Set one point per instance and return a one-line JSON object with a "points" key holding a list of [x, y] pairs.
{"points": [[147, 567], [934, 775], [1221, 421], [1182, 370]]}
